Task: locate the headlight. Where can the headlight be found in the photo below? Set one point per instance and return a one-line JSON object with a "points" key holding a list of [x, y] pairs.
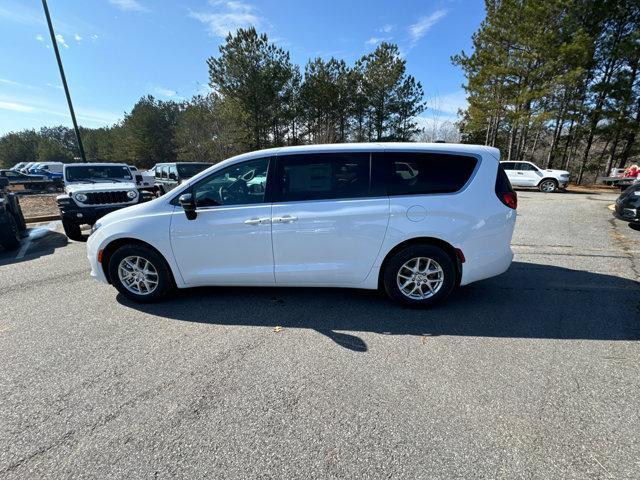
{"points": [[81, 197], [132, 194], [95, 227]]}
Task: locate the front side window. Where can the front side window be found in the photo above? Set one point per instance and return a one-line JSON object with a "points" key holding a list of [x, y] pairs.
{"points": [[321, 176], [409, 173], [241, 184]]}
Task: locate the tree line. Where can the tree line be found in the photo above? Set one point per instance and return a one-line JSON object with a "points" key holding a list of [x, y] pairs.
{"points": [[556, 81], [258, 99]]}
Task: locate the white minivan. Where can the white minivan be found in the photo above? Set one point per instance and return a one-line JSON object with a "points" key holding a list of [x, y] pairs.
{"points": [[414, 219]]}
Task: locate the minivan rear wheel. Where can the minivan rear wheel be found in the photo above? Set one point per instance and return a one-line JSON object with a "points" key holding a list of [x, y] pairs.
{"points": [[139, 273], [419, 275]]}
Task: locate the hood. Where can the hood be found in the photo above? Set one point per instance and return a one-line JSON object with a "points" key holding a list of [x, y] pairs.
{"points": [[158, 204], [99, 187]]}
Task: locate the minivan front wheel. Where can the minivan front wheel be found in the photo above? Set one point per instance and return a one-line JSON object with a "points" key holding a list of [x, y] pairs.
{"points": [[419, 275], [139, 273]]}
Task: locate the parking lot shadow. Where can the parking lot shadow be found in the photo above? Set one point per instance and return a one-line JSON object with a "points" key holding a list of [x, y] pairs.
{"points": [[38, 242], [528, 301]]}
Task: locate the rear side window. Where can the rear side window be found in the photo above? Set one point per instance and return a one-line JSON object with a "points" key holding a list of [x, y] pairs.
{"points": [[320, 176], [508, 165], [415, 173]]}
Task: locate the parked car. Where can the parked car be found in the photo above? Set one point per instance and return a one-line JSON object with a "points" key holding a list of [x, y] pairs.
{"points": [[12, 224], [627, 206], [26, 167], [170, 175], [325, 215], [144, 180], [19, 180], [92, 190], [18, 166], [52, 170], [527, 174]]}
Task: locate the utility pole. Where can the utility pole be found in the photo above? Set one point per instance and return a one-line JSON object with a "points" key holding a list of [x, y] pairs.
{"points": [[64, 80]]}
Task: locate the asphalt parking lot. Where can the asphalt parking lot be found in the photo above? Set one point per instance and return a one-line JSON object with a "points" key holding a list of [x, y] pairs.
{"points": [[533, 374]]}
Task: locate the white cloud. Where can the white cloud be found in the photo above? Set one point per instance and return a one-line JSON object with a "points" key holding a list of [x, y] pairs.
{"points": [[61, 40], [387, 28], [229, 17], [51, 85], [40, 38], [377, 40], [94, 37], [422, 26], [77, 37], [16, 107], [448, 103], [129, 5], [167, 92], [16, 84], [41, 106]]}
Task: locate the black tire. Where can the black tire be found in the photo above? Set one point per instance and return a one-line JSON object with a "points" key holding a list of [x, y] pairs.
{"points": [[51, 188], [548, 185], [395, 263], [9, 232], [17, 213], [165, 280], [72, 230]]}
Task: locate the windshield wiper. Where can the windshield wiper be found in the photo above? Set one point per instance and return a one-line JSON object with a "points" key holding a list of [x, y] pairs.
{"points": [[83, 180]]}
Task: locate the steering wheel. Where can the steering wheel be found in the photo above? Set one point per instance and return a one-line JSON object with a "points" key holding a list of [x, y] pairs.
{"points": [[237, 189]]}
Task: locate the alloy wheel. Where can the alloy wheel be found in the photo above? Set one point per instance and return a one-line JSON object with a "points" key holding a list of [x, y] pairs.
{"points": [[420, 278], [138, 275]]}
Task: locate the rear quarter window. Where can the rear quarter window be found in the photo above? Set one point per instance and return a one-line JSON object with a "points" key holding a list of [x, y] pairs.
{"points": [[415, 173]]}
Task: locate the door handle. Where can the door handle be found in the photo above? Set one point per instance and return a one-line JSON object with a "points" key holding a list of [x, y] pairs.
{"points": [[256, 221], [520, 173], [285, 219]]}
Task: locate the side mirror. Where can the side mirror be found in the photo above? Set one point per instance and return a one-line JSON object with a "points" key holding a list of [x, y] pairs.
{"points": [[187, 202], [172, 176]]}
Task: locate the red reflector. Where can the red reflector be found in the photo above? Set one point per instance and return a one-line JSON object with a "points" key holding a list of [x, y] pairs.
{"points": [[460, 255], [100, 256], [510, 199]]}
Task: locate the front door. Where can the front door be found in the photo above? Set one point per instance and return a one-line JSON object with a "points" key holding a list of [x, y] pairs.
{"points": [[326, 229], [229, 241]]}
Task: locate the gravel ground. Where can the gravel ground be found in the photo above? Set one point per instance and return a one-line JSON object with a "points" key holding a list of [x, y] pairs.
{"points": [[39, 205], [533, 374]]}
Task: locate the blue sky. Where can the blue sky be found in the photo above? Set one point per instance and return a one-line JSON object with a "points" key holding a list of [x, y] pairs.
{"points": [[115, 51]]}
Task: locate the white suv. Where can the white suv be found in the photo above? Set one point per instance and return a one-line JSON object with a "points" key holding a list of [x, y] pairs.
{"points": [[527, 174], [416, 219]]}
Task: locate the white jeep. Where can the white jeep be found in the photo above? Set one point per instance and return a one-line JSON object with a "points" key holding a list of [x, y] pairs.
{"points": [[91, 190], [527, 174]]}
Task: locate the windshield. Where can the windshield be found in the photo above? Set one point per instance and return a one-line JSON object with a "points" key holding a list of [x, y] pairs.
{"points": [[187, 170], [97, 173]]}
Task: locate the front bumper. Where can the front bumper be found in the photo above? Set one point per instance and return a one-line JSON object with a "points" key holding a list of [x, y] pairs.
{"points": [[97, 272], [628, 214], [87, 215]]}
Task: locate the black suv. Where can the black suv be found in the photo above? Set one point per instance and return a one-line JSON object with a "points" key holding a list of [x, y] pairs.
{"points": [[12, 224], [628, 205], [170, 175]]}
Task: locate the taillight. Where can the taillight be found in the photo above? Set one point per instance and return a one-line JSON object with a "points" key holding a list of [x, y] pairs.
{"points": [[504, 191], [510, 199]]}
